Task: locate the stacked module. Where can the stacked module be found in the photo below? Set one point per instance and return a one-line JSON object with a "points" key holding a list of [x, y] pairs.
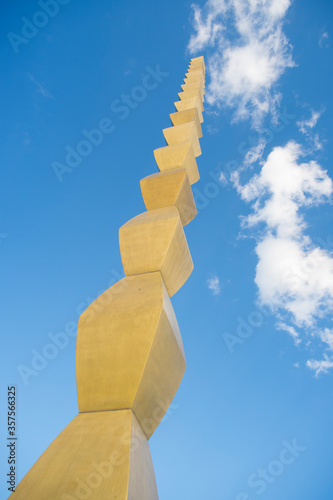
{"points": [[130, 357]]}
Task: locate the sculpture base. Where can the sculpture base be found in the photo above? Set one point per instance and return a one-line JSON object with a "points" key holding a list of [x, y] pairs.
{"points": [[98, 456]]}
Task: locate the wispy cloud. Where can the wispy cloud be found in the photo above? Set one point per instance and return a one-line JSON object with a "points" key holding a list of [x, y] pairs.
{"points": [[326, 336], [213, 284], [294, 276], [222, 178], [247, 53], [211, 130], [322, 366], [41, 87], [325, 364], [289, 329], [306, 127], [254, 154], [324, 41]]}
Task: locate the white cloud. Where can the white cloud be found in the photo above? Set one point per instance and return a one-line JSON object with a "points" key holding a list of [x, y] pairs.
{"points": [[324, 41], [326, 336], [316, 142], [289, 329], [247, 53], [290, 185], [208, 29], [214, 285], [211, 130], [294, 276], [322, 366], [255, 153], [223, 178], [306, 126]]}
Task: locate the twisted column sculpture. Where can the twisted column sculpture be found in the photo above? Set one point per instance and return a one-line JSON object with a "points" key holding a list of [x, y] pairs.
{"points": [[130, 358]]}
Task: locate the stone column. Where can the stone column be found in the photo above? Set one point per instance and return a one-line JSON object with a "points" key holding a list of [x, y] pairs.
{"points": [[130, 357]]}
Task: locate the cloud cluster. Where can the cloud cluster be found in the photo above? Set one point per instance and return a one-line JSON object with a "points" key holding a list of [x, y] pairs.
{"points": [[249, 53], [246, 54], [294, 277]]}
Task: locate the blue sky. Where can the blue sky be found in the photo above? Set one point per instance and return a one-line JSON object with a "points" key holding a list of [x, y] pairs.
{"points": [[255, 315]]}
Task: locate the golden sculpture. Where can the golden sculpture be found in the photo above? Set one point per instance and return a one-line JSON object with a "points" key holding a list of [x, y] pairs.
{"points": [[170, 188], [130, 356]]}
